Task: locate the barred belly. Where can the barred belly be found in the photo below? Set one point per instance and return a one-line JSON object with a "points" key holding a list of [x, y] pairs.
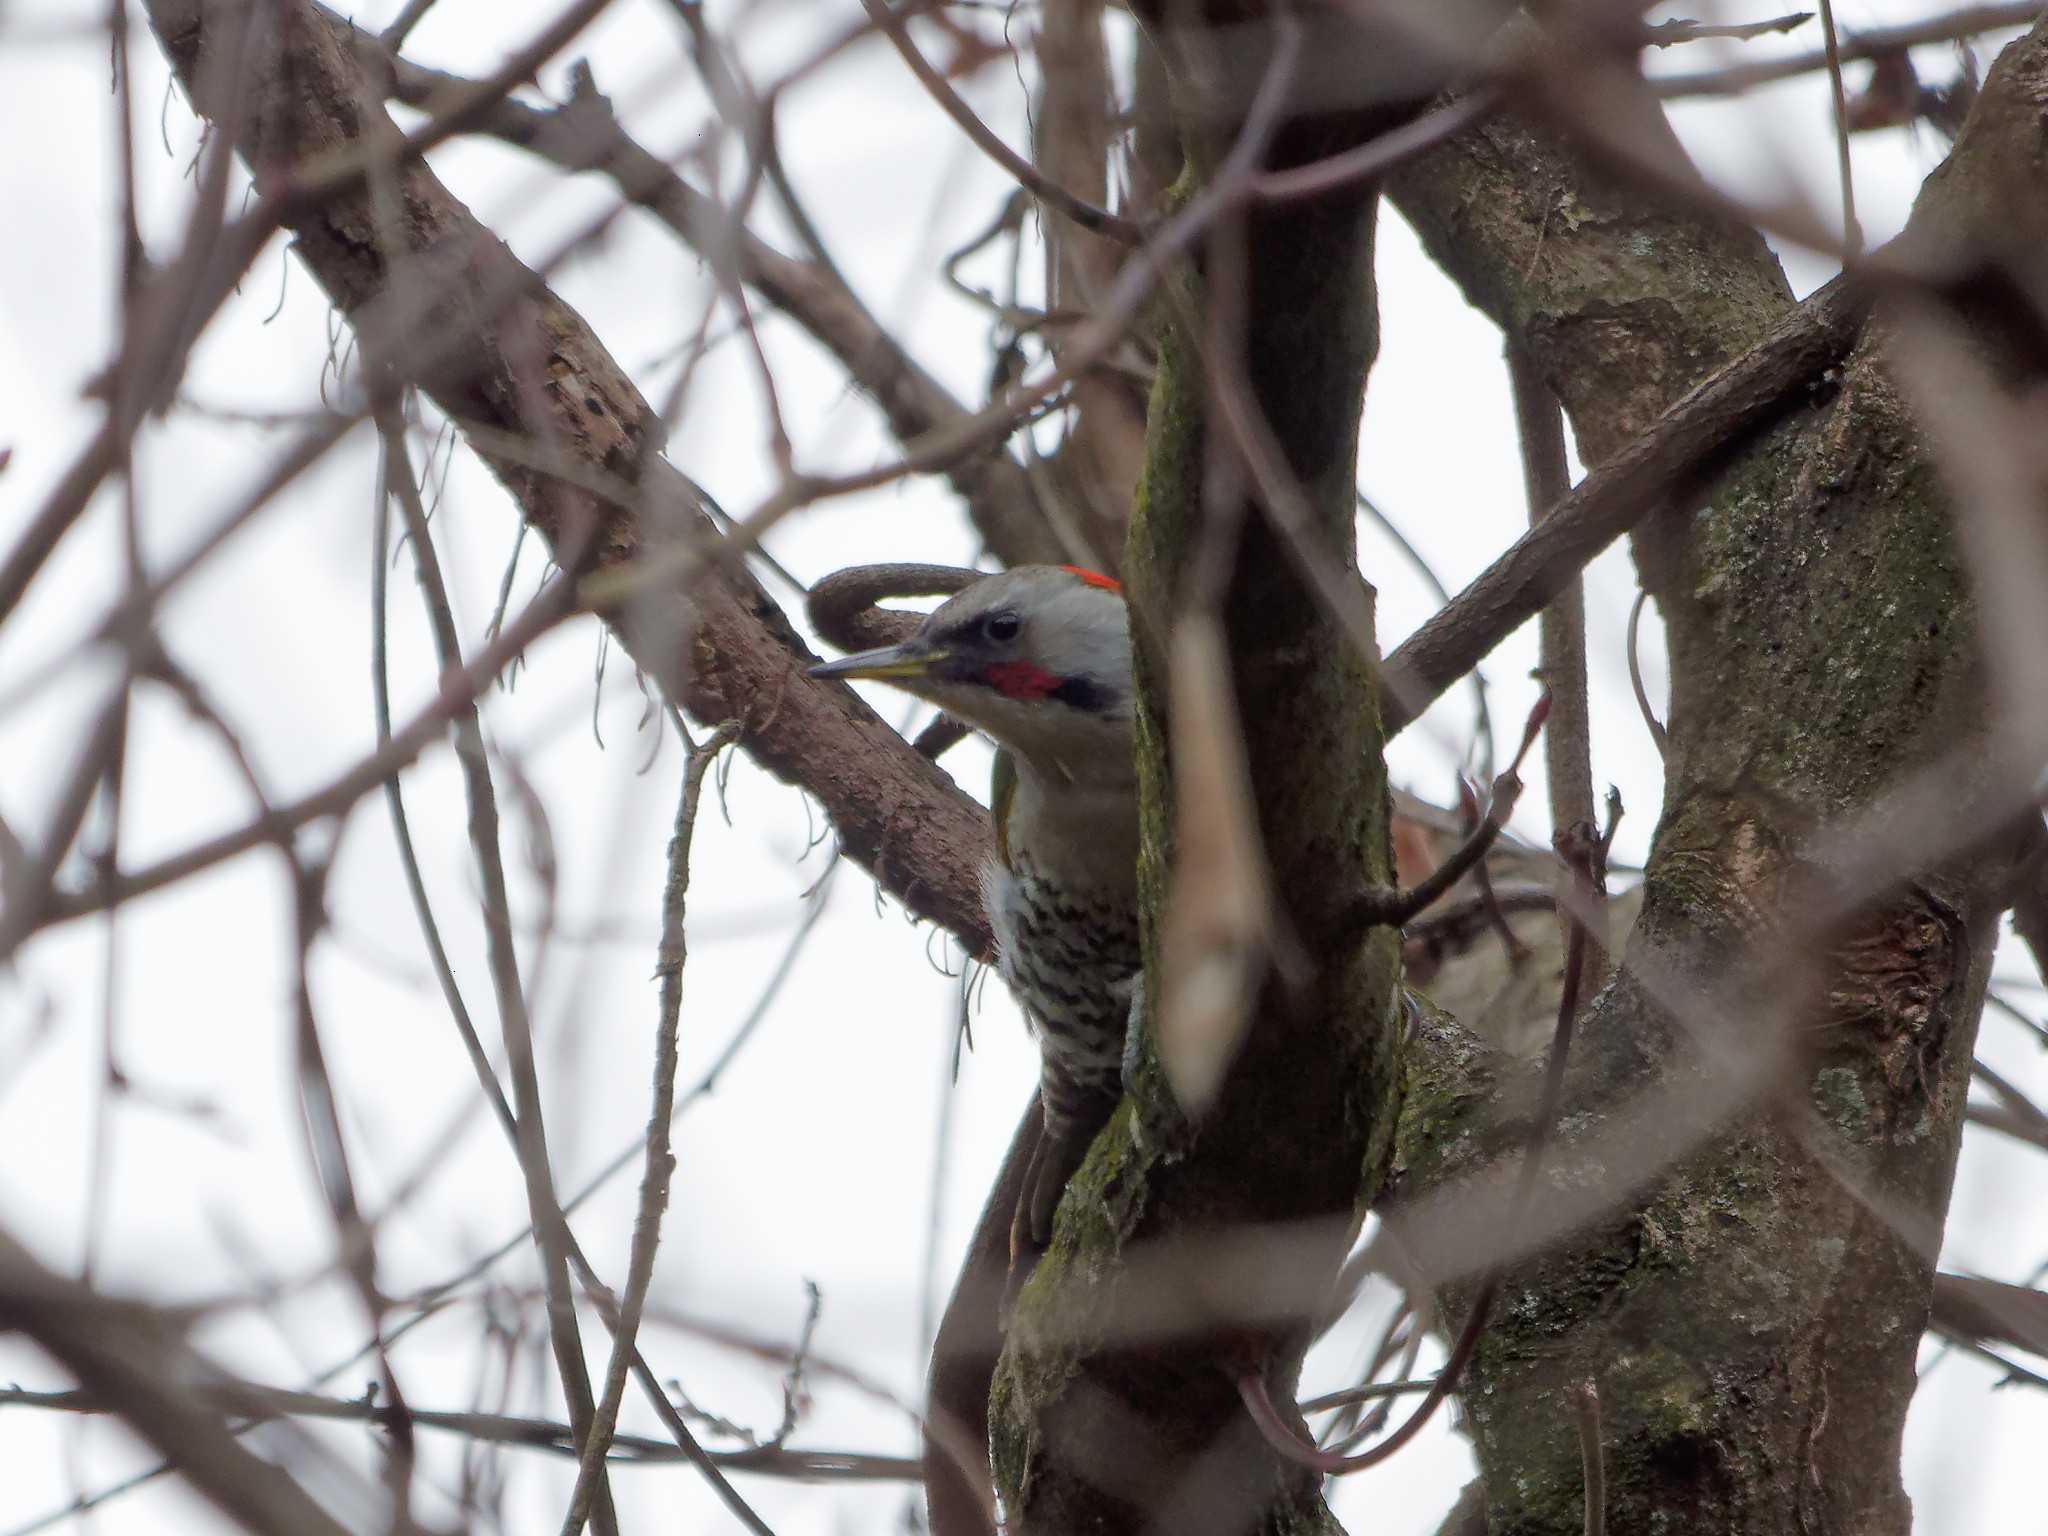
{"points": [[1070, 957]]}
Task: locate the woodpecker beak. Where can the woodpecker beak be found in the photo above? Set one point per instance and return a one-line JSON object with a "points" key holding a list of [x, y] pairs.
{"points": [[889, 663]]}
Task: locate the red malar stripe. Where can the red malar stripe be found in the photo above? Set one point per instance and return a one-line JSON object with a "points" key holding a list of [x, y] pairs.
{"points": [[1020, 679]]}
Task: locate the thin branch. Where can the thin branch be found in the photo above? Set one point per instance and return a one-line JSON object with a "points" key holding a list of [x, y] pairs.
{"points": [[267, 1403], [530, 1133], [1393, 907], [320, 1111], [1874, 43], [660, 1162], [1852, 232], [30, 890], [756, 125], [1377, 156], [1098, 220], [401, 827], [1371, 1391], [1676, 454], [1667, 34], [1635, 673], [1546, 479]]}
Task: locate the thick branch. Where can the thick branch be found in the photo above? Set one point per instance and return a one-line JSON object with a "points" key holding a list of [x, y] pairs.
{"points": [[524, 368], [1674, 458]]}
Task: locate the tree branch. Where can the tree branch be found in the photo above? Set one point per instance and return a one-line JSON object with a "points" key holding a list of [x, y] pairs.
{"points": [[583, 135], [725, 654], [249, 1400]]}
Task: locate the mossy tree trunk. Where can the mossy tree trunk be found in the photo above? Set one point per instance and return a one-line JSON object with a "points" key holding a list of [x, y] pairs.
{"points": [[1115, 1407], [1750, 1280], [1750, 1302]]}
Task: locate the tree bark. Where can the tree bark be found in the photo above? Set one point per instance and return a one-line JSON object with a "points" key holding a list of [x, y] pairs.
{"points": [[1750, 1299], [1115, 1406]]}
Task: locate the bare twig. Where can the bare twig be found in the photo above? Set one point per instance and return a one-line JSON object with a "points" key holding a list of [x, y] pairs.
{"points": [[1370, 1392], [1395, 907], [1852, 232], [530, 1134], [660, 1163], [321, 1112], [1546, 478], [1701, 429], [756, 124], [1874, 43], [1635, 673], [1666, 34], [31, 884], [249, 1400], [1376, 157], [1098, 220]]}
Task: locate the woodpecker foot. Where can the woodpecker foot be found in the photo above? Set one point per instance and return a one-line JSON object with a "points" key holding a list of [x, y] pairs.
{"points": [[1024, 1255]]}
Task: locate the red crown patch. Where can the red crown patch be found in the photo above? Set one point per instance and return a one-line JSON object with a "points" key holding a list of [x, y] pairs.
{"points": [[1095, 579]]}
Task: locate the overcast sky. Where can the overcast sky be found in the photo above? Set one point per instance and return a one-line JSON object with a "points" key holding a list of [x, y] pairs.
{"points": [[814, 1160]]}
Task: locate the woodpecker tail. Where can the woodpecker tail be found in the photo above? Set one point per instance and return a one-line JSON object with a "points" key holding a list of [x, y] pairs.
{"points": [[1073, 1114]]}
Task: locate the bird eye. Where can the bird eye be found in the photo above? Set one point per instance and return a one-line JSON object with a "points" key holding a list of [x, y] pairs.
{"points": [[1001, 626]]}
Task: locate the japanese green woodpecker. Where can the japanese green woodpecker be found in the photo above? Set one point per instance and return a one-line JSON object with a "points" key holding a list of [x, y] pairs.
{"points": [[1039, 659]]}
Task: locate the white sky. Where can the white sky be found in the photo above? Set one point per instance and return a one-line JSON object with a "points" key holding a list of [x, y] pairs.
{"points": [[815, 1158]]}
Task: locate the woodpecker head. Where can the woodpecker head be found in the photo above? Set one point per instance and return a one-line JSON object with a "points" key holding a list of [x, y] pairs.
{"points": [[1038, 658]]}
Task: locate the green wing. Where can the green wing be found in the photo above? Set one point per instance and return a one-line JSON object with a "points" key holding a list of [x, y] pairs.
{"points": [[1002, 789]]}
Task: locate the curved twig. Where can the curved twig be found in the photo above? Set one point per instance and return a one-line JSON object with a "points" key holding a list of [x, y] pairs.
{"points": [[1084, 213], [1635, 673]]}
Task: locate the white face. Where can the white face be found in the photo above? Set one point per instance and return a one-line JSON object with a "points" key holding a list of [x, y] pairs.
{"points": [[1041, 661]]}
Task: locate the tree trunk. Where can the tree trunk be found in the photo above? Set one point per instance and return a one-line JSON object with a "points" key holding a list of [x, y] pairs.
{"points": [[1749, 1283], [1115, 1404]]}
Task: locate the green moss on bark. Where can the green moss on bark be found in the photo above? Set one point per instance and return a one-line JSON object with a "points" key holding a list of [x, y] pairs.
{"points": [[1751, 1302], [1098, 1423]]}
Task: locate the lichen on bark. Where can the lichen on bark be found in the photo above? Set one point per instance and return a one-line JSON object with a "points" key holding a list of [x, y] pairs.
{"points": [[1750, 1296], [1094, 1428]]}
